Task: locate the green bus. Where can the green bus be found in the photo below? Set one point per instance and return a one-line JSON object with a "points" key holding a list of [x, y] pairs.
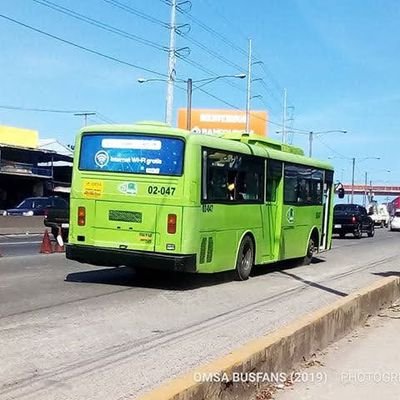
{"points": [[155, 197]]}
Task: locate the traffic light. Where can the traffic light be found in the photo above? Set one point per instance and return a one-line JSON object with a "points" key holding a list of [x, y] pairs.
{"points": [[340, 192]]}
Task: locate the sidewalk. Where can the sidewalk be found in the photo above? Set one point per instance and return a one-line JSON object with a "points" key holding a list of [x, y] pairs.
{"points": [[363, 365]]}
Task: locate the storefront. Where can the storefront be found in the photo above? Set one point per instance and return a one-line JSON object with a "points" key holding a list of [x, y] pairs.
{"points": [[26, 172]]}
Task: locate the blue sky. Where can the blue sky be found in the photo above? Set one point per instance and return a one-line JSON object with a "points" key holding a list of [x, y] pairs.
{"points": [[338, 60]]}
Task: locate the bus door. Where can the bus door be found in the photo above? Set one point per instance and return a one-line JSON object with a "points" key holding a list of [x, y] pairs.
{"points": [[327, 201], [272, 223]]}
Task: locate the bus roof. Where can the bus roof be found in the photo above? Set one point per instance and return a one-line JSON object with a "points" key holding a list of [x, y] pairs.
{"points": [[237, 142]]}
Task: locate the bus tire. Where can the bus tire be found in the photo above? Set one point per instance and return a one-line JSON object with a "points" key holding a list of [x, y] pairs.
{"points": [[245, 259], [310, 252]]}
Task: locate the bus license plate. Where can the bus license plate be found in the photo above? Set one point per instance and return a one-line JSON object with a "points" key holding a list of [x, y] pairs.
{"points": [[338, 226]]}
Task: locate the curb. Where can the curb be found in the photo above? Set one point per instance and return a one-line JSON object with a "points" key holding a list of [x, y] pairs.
{"points": [[283, 349]]}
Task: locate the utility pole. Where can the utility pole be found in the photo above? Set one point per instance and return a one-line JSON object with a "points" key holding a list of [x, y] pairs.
{"points": [[284, 116], [171, 66], [365, 188], [310, 141], [352, 179], [189, 89], [85, 115], [248, 89]]}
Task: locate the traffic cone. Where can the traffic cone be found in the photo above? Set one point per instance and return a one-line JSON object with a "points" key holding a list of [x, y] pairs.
{"points": [[59, 248], [46, 247]]}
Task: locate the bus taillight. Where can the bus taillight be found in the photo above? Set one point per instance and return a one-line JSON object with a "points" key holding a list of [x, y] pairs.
{"points": [[81, 216], [171, 223]]}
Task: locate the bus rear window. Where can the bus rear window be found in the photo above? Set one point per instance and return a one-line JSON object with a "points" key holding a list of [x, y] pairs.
{"points": [[137, 154]]}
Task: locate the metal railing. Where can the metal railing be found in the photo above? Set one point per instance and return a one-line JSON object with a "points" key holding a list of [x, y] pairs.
{"points": [[17, 168]]}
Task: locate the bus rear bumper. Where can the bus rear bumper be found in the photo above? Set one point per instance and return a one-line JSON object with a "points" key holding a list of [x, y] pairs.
{"points": [[107, 257]]}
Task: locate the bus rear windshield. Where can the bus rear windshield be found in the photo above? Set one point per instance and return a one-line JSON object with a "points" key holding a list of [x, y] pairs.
{"points": [[137, 154]]}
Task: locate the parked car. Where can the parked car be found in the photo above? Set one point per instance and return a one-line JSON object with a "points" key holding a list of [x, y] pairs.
{"points": [[394, 223], [36, 206], [352, 218], [379, 214]]}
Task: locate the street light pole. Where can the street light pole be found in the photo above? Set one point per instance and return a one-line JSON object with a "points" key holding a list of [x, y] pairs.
{"points": [[365, 188], [248, 97], [311, 138], [189, 90], [352, 179]]}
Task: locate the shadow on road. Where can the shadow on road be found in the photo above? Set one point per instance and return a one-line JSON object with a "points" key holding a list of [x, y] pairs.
{"points": [[387, 273], [284, 267], [125, 276]]}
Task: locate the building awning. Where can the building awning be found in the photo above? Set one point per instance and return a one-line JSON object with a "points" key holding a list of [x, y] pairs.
{"points": [[62, 189], [33, 155]]}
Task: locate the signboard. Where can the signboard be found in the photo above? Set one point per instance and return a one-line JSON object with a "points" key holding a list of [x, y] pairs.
{"points": [[209, 122], [13, 136]]}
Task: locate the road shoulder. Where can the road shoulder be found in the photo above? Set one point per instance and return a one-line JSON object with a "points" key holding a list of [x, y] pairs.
{"points": [[362, 365]]}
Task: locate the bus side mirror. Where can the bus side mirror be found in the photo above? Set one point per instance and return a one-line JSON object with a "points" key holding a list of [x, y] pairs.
{"points": [[341, 193]]}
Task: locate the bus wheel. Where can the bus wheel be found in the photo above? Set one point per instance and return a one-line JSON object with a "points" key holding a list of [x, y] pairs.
{"points": [[245, 259], [310, 252]]}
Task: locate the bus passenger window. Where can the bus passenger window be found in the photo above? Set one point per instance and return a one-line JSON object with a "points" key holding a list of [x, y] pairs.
{"points": [[274, 175]]}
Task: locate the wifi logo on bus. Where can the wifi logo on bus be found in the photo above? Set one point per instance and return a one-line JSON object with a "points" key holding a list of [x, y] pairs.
{"points": [[101, 158]]}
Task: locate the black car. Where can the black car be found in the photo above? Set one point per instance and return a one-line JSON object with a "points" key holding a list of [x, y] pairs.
{"points": [[352, 218], [36, 206]]}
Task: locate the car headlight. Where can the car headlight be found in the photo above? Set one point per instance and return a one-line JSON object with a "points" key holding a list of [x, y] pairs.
{"points": [[28, 213], [4, 213]]}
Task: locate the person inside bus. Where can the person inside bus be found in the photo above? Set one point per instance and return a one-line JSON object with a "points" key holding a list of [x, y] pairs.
{"points": [[231, 191]]}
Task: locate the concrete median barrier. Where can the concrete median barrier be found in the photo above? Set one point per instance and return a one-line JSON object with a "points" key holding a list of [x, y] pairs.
{"points": [[19, 225], [280, 351]]}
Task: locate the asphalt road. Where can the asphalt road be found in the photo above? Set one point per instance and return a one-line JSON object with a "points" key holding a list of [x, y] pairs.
{"points": [[72, 331], [20, 245]]}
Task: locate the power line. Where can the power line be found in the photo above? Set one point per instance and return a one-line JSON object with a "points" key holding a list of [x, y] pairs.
{"points": [[331, 149], [57, 111], [208, 71], [211, 52], [228, 23], [137, 12], [99, 24], [103, 118], [16, 108], [98, 53], [212, 31]]}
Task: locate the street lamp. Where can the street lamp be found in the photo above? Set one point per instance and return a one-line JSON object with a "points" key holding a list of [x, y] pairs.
{"points": [[353, 159], [189, 90], [311, 138]]}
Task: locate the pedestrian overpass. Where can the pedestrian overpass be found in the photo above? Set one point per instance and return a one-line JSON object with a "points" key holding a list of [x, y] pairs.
{"points": [[374, 190]]}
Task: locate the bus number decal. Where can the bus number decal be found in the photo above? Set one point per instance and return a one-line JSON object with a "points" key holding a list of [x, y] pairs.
{"points": [[208, 208], [163, 190]]}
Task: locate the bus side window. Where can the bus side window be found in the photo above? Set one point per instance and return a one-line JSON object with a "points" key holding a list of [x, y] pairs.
{"points": [[274, 175]]}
